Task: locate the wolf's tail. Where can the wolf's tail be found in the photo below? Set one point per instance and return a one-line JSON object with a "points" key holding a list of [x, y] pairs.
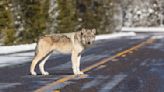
{"points": [[36, 48]]}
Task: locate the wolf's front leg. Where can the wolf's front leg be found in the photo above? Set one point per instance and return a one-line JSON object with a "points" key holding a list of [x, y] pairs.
{"points": [[76, 63]]}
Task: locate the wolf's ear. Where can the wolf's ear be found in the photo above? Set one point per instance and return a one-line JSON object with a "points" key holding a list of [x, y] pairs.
{"points": [[83, 31], [94, 31]]}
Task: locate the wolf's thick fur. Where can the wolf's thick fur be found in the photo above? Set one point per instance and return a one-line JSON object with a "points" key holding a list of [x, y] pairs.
{"points": [[73, 43]]}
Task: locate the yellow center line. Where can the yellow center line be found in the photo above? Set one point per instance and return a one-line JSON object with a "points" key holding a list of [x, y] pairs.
{"points": [[103, 61]]}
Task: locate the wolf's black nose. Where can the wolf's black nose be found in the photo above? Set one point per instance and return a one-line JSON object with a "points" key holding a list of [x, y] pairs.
{"points": [[89, 42]]}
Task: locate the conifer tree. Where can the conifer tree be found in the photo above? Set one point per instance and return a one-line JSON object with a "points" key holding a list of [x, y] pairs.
{"points": [[67, 18], [6, 24]]}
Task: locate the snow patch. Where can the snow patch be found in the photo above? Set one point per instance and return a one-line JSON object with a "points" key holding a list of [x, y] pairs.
{"points": [[16, 59], [7, 61], [142, 29], [158, 37], [16, 48], [115, 35]]}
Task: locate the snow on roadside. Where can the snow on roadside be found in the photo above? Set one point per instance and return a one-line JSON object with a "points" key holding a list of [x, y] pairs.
{"points": [[115, 35], [11, 60], [158, 37], [14, 59], [16, 48], [142, 29], [27, 47]]}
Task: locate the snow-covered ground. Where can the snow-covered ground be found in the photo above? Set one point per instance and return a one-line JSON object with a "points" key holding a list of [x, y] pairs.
{"points": [[17, 58], [143, 29], [115, 35], [16, 48], [8, 55]]}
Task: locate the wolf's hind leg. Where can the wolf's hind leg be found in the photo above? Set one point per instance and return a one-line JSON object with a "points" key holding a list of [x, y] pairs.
{"points": [[43, 48], [41, 66], [36, 59]]}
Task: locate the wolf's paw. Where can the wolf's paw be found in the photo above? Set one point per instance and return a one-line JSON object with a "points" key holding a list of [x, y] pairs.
{"points": [[78, 73], [33, 73], [45, 73]]}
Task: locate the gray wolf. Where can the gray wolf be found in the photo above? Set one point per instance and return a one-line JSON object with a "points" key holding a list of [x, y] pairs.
{"points": [[65, 43]]}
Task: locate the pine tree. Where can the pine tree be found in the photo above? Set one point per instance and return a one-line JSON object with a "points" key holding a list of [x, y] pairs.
{"points": [[96, 14], [67, 18], [88, 12], [6, 24], [35, 14]]}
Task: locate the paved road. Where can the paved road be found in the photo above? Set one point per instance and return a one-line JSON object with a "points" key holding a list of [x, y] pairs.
{"points": [[129, 64]]}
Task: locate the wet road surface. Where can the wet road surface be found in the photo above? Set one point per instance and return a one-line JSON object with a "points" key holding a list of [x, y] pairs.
{"points": [[130, 64]]}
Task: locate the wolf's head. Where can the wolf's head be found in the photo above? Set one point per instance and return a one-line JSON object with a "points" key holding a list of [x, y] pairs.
{"points": [[87, 36]]}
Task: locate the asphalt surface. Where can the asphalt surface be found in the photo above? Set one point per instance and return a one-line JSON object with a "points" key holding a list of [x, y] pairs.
{"points": [[141, 70]]}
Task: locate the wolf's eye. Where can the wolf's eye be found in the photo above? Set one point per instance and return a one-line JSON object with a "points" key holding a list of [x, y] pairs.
{"points": [[81, 33]]}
